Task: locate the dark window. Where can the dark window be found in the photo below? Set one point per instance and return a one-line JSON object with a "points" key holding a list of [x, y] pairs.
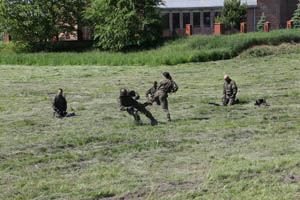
{"points": [[206, 19], [176, 20], [217, 14], [165, 20], [186, 19], [196, 19]]}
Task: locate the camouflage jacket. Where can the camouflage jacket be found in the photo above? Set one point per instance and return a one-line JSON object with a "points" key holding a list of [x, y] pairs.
{"points": [[59, 103], [151, 91], [128, 100], [167, 86], [230, 88]]}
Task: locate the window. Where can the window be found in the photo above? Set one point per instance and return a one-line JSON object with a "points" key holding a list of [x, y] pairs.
{"points": [[196, 18], [165, 20], [206, 19], [186, 19], [217, 14], [176, 20]]}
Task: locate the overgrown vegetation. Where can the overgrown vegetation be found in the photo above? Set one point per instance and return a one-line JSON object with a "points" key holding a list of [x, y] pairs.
{"points": [[123, 24], [233, 14], [296, 17], [197, 48], [39, 21], [206, 152]]}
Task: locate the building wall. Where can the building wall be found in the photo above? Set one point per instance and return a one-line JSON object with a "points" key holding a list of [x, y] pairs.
{"points": [[202, 29], [277, 12]]}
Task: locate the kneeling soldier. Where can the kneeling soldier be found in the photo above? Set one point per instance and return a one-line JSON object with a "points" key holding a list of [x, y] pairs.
{"points": [[59, 105], [229, 91], [128, 102]]}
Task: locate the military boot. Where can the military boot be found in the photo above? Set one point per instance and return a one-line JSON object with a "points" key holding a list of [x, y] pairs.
{"points": [[168, 117]]}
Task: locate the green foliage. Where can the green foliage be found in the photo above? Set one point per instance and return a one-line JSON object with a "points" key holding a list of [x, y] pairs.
{"points": [[296, 17], [197, 48], [123, 24], [36, 21], [261, 23], [233, 14]]}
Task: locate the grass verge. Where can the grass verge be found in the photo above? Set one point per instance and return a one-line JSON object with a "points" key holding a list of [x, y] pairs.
{"points": [[197, 48]]}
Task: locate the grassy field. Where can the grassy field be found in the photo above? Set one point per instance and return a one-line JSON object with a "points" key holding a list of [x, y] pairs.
{"points": [[197, 48], [206, 152]]}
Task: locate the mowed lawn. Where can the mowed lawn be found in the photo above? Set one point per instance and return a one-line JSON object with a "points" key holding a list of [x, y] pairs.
{"points": [[206, 152]]}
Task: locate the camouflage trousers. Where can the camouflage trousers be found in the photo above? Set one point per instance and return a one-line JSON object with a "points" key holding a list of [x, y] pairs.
{"points": [[134, 109], [161, 98], [228, 100]]}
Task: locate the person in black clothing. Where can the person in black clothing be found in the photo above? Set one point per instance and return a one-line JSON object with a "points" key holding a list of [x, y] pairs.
{"points": [[128, 102], [59, 105]]}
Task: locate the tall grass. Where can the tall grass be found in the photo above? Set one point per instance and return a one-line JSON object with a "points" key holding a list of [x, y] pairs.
{"points": [[196, 48]]}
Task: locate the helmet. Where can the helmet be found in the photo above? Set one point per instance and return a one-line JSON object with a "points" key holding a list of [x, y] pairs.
{"points": [[123, 92]]}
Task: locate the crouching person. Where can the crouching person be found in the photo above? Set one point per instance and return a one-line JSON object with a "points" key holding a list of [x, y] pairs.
{"points": [[128, 102], [59, 105], [229, 91]]}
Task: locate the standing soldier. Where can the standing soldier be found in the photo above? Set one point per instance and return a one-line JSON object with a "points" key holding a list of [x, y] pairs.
{"points": [[229, 91], [167, 85], [128, 102], [59, 104]]}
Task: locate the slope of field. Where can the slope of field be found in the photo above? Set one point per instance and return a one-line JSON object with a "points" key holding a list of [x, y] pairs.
{"points": [[197, 48], [206, 152]]}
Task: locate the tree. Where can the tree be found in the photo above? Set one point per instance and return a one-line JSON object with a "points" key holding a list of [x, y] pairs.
{"points": [[296, 17], [37, 21], [261, 23], [233, 14], [123, 24]]}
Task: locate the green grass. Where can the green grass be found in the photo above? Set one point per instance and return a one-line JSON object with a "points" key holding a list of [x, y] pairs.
{"points": [[197, 48], [206, 152]]}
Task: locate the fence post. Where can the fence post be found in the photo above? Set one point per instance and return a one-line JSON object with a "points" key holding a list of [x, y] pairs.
{"points": [[219, 29], [7, 38], [188, 30], [244, 27], [267, 26], [289, 24]]}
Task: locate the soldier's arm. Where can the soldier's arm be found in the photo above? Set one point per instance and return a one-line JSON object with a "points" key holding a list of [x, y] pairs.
{"points": [[66, 104], [54, 104], [175, 86], [148, 92], [134, 94], [224, 89], [122, 108], [234, 89]]}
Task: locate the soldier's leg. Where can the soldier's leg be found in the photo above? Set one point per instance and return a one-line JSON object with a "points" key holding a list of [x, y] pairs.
{"points": [[164, 103], [147, 113], [135, 115], [225, 101], [231, 101]]}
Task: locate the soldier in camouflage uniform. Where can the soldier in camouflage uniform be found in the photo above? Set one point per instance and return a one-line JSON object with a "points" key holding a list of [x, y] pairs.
{"points": [[128, 102], [229, 91], [150, 93], [167, 85], [59, 104]]}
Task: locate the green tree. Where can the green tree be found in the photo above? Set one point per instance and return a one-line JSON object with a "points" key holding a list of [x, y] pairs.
{"points": [[233, 14], [296, 17], [261, 23], [34, 22], [123, 24]]}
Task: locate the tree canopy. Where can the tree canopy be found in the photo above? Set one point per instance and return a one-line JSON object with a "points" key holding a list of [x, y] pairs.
{"points": [[233, 14], [123, 24], [296, 17], [261, 23], [36, 21]]}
